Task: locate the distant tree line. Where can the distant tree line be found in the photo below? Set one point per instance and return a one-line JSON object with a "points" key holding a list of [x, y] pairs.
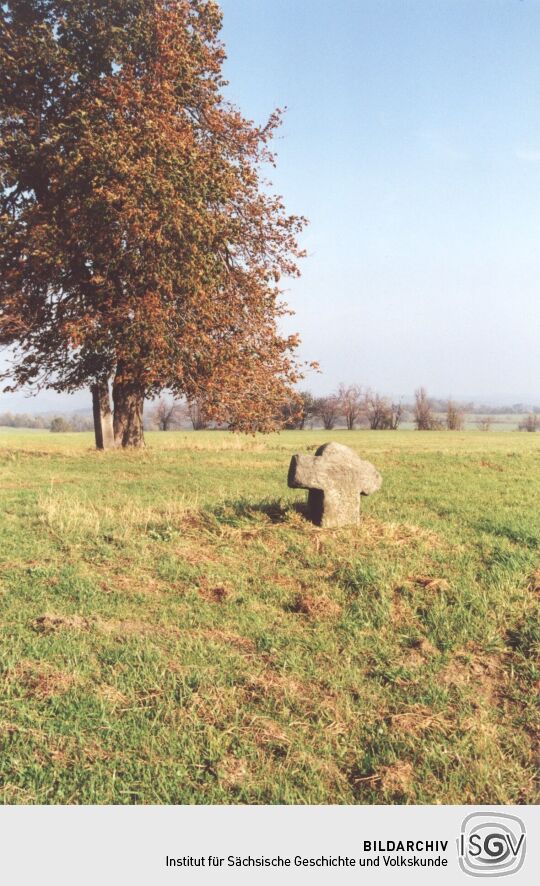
{"points": [[351, 406], [355, 406], [23, 420], [57, 424], [530, 423], [61, 425]]}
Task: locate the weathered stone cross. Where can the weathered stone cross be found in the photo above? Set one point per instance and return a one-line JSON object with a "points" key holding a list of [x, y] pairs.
{"points": [[336, 478]]}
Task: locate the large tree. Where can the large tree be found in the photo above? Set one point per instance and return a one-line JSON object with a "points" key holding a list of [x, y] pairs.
{"points": [[138, 241]]}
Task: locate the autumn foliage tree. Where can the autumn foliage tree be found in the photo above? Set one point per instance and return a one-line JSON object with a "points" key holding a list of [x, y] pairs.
{"points": [[299, 409], [138, 244]]}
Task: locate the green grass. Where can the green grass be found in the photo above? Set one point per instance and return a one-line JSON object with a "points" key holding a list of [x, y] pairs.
{"points": [[174, 631]]}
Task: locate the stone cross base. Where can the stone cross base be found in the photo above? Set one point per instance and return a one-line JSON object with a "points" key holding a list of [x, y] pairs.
{"points": [[336, 478]]}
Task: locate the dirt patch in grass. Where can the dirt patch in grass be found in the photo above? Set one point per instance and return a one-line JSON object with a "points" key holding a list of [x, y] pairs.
{"points": [[315, 606], [40, 680], [358, 779], [419, 651], [123, 627], [214, 593], [287, 582], [46, 624], [482, 673], [397, 781], [311, 705]]}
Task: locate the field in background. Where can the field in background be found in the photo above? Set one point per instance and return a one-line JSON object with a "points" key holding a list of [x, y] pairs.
{"points": [[173, 631], [499, 422]]}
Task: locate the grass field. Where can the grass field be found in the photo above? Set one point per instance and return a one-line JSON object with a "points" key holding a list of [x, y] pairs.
{"points": [[174, 631]]}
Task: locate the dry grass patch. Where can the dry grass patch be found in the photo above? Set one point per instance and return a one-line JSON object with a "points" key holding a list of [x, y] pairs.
{"points": [[418, 652], [316, 606], [484, 674], [400, 609], [131, 627], [111, 694], [47, 624], [279, 687], [228, 638], [95, 753], [429, 582], [232, 772], [10, 729], [213, 708], [419, 719], [214, 593], [266, 733], [192, 552], [132, 585], [40, 680], [485, 463], [397, 780], [534, 582], [70, 515], [374, 532]]}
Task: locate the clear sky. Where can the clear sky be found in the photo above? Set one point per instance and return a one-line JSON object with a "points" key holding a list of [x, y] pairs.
{"points": [[412, 143]]}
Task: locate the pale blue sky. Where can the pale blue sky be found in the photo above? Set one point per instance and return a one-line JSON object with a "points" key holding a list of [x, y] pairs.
{"points": [[412, 143]]}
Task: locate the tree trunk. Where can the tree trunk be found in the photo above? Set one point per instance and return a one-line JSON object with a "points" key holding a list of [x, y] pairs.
{"points": [[103, 420], [128, 401]]}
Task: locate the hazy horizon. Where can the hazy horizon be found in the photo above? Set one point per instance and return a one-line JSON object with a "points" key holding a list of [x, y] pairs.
{"points": [[412, 144], [49, 402]]}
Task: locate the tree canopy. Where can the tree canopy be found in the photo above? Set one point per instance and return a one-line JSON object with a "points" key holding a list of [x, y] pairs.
{"points": [[138, 239]]}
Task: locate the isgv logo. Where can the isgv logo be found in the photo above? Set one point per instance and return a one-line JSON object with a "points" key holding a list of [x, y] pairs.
{"points": [[491, 844]]}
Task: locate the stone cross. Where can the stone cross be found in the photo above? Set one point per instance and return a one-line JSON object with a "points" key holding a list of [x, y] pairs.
{"points": [[336, 478]]}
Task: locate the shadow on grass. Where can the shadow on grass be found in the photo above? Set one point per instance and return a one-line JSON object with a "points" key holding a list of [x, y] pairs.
{"points": [[515, 534], [276, 511]]}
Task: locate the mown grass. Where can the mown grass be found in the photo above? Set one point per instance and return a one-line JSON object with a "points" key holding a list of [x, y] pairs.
{"points": [[174, 631]]}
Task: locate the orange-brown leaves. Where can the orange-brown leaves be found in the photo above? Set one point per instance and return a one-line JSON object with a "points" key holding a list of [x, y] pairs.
{"points": [[139, 234]]}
